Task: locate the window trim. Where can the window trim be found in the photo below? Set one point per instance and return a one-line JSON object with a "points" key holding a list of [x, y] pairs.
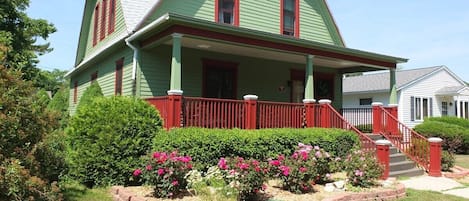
{"points": [[112, 16], [444, 108], [103, 21], [96, 25], [296, 31], [419, 101], [119, 74], [365, 99], [235, 12]]}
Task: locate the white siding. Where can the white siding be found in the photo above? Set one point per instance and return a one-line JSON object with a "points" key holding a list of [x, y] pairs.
{"points": [[353, 100]]}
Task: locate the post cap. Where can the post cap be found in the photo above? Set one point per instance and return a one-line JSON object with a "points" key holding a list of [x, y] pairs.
{"points": [[393, 105], [377, 104], [435, 139], [383, 142], [325, 101], [309, 100], [250, 97], [175, 92]]}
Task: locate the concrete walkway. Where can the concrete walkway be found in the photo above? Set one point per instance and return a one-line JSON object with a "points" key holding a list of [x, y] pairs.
{"points": [[440, 184]]}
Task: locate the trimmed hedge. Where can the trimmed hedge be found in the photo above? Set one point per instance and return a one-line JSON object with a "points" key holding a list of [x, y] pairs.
{"points": [[455, 137], [451, 120], [206, 146]]}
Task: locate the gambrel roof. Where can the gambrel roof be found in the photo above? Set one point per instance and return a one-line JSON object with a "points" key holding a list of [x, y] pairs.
{"points": [[379, 82], [135, 11]]}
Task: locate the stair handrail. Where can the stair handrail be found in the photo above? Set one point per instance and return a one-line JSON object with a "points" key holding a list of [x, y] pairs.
{"points": [[417, 150], [367, 143]]}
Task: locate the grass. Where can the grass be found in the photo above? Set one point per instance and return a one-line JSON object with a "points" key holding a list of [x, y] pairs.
{"points": [[462, 160], [416, 195], [77, 192]]}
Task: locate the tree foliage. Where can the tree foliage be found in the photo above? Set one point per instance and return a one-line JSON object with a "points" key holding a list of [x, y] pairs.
{"points": [[19, 34], [93, 91]]}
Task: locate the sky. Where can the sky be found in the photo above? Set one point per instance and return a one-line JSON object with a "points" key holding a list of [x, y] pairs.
{"points": [[427, 32]]}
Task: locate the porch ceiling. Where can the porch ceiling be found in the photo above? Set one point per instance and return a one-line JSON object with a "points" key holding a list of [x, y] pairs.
{"points": [[263, 53]]}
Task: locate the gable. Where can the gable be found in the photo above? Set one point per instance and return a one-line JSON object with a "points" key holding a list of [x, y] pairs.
{"points": [[316, 22]]}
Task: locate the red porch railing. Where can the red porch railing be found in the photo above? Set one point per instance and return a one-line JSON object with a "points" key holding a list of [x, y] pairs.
{"points": [[160, 103], [280, 115], [213, 113], [332, 119], [409, 142]]}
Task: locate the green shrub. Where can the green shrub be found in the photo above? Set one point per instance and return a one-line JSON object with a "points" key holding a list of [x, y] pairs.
{"points": [[451, 120], [93, 91], [50, 153], [59, 104], [206, 146], [455, 138], [447, 160], [107, 138], [365, 128], [363, 168]]}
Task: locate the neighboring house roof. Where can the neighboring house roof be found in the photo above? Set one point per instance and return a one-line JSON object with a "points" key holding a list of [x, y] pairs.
{"points": [[379, 82], [451, 90], [135, 11]]}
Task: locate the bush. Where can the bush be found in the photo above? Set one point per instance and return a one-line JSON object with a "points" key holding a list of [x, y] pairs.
{"points": [[455, 138], [206, 146], [447, 160], [50, 153], [93, 91], [166, 172], [59, 104], [362, 168], [451, 120], [107, 138]]}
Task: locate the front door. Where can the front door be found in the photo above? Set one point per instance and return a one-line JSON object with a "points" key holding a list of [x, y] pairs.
{"points": [[323, 86], [219, 80]]}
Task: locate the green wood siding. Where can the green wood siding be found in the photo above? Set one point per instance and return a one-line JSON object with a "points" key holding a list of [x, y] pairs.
{"points": [[252, 72], [261, 15], [106, 76], [120, 28], [312, 23], [201, 9]]}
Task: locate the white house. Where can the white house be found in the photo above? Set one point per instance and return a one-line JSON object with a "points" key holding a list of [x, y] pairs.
{"points": [[424, 92]]}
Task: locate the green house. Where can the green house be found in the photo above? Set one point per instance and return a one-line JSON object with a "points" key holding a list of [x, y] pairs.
{"points": [[279, 50]]}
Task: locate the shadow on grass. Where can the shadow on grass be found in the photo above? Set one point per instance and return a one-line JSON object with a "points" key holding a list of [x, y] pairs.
{"points": [[74, 191]]}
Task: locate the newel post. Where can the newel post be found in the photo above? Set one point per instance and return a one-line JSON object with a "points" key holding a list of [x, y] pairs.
{"points": [[325, 113], [250, 107], [435, 157], [174, 109], [377, 116], [393, 125], [309, 109], [382, 153]]}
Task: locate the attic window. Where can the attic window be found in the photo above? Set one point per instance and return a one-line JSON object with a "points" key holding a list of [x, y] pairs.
{"points": [[290, 17], [227, 12]]}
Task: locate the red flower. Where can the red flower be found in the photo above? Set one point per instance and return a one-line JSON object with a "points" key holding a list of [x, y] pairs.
{"points": [[275, 162], [160, 171], [175, 183], [137, 172], [222, 164], [243, 166], [285, 170]]}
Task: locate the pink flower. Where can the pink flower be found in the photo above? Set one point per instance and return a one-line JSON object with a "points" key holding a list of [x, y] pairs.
{"points": [[358, 173], [175, 183], [264, 187], [316, 148], [285, 170], [186, 159], [222, 164], [189, 166], [162, 158], [243, 166], [257, 169], [156, 155], [173, 154], [304, 155], [328, 175], [274, 162], [255, 163], [303, 169], [160, 171], [281, 157], [137, 172], [149, 167], [318, 154], [295, 155]]}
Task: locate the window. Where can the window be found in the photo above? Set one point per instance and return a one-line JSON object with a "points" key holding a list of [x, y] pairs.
{"points": [[119, 73], [75, 92], [220, 79], [420, 108], [444, 108], [366, 101], [95, 26], [94, 76], [103, 21], [289, 19], [112, 16], [227, 12]]}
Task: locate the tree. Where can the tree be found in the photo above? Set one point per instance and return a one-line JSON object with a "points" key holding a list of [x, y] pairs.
{"points": [[19, 34], [51, 80]]}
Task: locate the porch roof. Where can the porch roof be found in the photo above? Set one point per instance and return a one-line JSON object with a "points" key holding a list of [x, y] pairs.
{"points": [[201, 29], [451, 91]]}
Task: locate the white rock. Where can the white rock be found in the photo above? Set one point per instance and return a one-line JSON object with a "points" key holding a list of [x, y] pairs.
{"points": [[329, 187], [339, 184]]}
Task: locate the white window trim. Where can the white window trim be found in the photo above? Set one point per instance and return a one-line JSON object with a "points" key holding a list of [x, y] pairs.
{"points": [[421, 109]]}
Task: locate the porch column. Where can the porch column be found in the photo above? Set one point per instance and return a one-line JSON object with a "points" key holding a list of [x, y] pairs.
{"points": [[325, 113], [310, 107], [309, 88], [175, 83], [392, 87], [377, 117]]}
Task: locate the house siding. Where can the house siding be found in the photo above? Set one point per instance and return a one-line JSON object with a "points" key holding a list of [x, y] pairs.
{"points": [[106, 77], [262, 15], [353, 100], [252, 72]]}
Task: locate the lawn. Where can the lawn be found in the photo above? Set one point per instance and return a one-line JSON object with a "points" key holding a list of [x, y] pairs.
{"points": [[416, 195], [77, 192], [463, 161]]}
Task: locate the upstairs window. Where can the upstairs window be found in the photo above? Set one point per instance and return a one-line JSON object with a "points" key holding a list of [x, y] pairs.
{"points": [[112, 16], [227, 12], [119, 73], [290, 17], [95, 25], [103, 21]]}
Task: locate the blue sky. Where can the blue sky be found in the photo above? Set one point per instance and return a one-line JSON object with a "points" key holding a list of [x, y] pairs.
{"points": [[428, 32]]}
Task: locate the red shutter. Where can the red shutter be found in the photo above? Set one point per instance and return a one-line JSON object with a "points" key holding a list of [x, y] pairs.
{"points": [[103, 21], [112, 16], [119, 74], [95, 25]]}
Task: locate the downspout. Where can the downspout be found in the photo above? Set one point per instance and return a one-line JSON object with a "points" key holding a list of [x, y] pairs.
{"points": [[134, 36]]}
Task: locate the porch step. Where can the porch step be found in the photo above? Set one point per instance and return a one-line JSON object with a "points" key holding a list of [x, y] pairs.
{"points": [[401, 165], [374, 137], [407, 173], [393, 150], [396, 157]]}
